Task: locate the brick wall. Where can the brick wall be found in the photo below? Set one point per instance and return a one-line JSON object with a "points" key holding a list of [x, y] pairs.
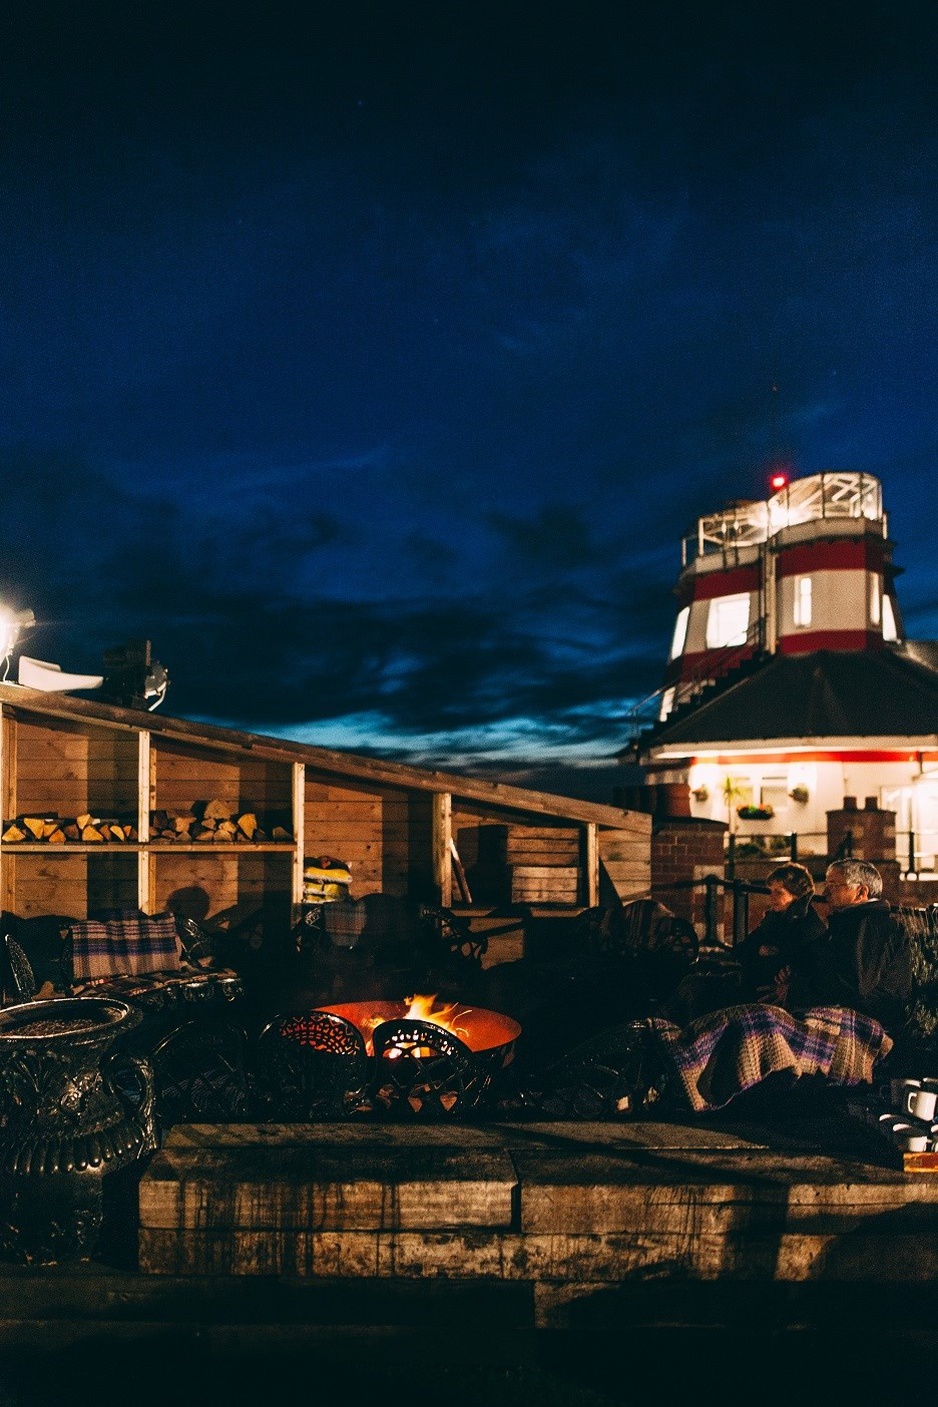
{"points": [[684, 849]]}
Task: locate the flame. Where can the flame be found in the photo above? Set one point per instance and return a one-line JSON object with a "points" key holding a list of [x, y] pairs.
{"points": [[422, 1008], [447, 1014]]}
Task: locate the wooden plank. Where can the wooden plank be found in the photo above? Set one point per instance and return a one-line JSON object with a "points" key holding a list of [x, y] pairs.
{"points": [[299, 821], [144, 778], [340, 832], [591, 863], [329, 1188], [441, 836]]}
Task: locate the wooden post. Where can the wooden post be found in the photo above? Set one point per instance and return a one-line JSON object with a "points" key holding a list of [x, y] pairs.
{"points": [[442, 832], [145, 876], [7, 799], [299, 829], [591, 861]]}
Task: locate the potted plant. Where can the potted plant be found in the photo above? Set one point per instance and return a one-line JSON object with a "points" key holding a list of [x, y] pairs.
{"points": [[799, 794], [701, 794]]}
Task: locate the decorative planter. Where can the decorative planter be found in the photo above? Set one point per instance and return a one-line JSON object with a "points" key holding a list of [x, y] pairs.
{"points": [[755, 813], [71, 1110]]}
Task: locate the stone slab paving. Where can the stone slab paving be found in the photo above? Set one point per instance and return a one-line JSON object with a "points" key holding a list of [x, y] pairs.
{"points": [[570, 1209]]}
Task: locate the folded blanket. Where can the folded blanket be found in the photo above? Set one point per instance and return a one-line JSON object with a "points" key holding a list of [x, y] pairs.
{"points": [[719, 1056], [127, 944]]}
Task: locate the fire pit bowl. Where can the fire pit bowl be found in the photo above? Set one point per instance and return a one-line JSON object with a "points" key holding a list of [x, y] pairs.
{"points": [[378, 1057]]}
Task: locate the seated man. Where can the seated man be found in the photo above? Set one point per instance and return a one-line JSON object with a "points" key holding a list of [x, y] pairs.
{"points": [[866, 963]]}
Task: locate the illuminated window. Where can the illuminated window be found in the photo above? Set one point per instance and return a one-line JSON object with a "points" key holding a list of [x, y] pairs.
{"points": [[667, 703], [680, 632], [802, 603], [875, 609], [728, 621], [889, 620]]}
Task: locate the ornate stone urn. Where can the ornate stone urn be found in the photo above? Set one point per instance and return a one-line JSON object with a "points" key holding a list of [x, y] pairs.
{"points": [[71, 1111]]}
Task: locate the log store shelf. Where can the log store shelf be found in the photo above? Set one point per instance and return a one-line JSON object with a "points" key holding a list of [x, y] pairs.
{"points": [[394, 825]]}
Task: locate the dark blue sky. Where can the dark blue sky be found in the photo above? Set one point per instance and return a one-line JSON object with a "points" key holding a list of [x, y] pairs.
{"points": [[372, 363]]}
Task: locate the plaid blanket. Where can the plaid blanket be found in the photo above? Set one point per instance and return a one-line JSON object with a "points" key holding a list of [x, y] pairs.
{"points": [[719, 1056], [125, 943], [344, 922]]}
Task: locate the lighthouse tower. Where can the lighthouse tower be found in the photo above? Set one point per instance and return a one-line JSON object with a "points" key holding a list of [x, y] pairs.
{"points": [[810, 569], [791, 692]]}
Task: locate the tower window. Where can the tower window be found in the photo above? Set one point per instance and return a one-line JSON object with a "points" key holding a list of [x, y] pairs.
{"points": [[876, 613], [728, 621], [667, 704], [680, 632], [802, 602], [889, 620]]}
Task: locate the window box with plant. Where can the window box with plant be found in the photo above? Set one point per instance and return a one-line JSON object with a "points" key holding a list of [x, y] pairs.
{"points": [[755, 813]]}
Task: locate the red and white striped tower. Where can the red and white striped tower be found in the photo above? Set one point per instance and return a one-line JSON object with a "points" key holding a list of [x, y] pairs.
{"points": [[809, 569]]}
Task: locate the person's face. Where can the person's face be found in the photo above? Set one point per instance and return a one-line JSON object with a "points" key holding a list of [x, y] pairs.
{"points": [[840, 895], [779, 897]]}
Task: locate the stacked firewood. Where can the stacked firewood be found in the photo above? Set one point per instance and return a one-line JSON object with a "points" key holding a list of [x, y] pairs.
{"points": [[211, 821], [57, 830], [208, 821]]}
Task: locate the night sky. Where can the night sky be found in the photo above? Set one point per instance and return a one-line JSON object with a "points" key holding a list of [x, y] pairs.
{"points": [[372, 363]]}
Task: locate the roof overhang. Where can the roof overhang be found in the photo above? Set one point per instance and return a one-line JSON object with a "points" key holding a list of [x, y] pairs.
{"points": [[768, 747]]}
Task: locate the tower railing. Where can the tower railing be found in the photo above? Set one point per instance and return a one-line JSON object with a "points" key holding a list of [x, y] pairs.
{"points": [[830, 494]]}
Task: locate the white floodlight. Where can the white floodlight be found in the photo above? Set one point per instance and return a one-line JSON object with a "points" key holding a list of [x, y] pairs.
{"points": [[51, 678], [12, 624]]}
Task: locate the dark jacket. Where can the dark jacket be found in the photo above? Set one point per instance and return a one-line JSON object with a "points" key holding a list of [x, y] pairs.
{"points": [[782, 939], [865, 964]]}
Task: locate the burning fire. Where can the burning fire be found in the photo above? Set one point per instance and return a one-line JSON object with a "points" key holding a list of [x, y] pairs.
{"points": [[448, 1015]]}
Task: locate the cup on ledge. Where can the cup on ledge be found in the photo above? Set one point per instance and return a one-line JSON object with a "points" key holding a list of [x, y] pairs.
{"points": [[911, 1097], [913, 1140], [892, 1125]]}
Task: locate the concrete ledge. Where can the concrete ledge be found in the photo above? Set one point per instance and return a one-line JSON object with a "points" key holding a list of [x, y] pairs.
{"points": [[569, 1209]]}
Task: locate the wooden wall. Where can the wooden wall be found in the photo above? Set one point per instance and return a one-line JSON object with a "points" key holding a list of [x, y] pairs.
{"points": [[183, 774], [69, 768], [382, 833]]}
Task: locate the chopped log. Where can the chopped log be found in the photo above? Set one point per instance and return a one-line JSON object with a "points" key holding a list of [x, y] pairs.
{"points": [[85, 819], [216, 811], [184, 822], [280, 833], [205, 835], [226, 830], [57, 837], [160, 821], [169, 835], [91, 834], [72, 831], [34, 824], [13, 834], [259, 835], [209, 824], [132, 833], [248, 824]]}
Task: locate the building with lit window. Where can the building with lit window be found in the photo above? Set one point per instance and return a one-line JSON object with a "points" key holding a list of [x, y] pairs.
{"points": [[790, 683]]}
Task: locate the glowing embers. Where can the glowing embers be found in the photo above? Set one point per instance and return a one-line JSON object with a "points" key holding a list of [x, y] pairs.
{"points": [[414, 1058]]}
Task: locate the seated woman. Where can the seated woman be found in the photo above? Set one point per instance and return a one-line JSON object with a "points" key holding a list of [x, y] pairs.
{"points": [[786, 942]]}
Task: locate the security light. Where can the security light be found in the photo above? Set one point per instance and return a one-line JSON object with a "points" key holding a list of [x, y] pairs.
{"points": [[132, 678], [12, 624]]}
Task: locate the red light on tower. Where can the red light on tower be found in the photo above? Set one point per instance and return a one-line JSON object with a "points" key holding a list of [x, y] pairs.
{"points": [[778, 482]]}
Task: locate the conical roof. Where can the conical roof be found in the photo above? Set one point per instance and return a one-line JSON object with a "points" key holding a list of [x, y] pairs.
{"points": [[829, 694]]}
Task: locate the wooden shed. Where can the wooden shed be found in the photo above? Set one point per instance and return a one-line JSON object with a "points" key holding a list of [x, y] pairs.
{"points": [[65, 757]]}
